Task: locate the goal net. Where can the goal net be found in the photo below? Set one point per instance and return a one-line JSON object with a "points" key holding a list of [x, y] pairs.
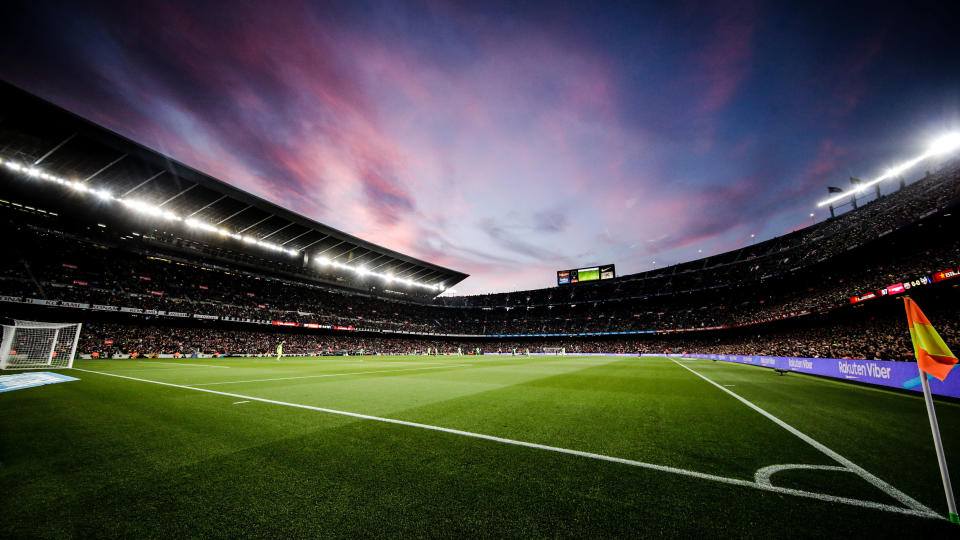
{"points": [[552, 350], [29, 344]]}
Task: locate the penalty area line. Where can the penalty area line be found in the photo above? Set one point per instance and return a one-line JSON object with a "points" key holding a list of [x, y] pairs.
{"points": [[853, 467], [600, 457]]}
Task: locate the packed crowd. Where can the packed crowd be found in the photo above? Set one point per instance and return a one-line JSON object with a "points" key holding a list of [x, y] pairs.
{"points": [[877, 331]]}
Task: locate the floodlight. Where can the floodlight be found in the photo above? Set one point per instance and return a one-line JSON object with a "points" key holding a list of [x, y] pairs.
{"points": [[135, 205], [945, 144]]}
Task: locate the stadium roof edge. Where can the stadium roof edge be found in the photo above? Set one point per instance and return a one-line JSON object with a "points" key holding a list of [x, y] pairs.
{"points": [[23, 102]]}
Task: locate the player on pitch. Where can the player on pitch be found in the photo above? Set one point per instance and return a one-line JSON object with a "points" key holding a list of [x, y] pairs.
{"points": [[280, 350]]}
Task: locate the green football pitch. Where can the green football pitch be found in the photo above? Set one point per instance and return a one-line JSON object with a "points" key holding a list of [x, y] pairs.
{"points": [[466, 446]]}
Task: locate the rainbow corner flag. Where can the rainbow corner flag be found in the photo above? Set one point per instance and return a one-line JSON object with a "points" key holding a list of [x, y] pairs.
{"points": [[932, 354]]}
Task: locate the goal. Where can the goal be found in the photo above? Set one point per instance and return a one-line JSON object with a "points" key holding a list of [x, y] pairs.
{"points": [[29, 344], [553, 350]]}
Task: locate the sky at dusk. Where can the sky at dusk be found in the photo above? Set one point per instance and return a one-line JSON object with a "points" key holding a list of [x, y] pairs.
{"points": [[510, 140]]}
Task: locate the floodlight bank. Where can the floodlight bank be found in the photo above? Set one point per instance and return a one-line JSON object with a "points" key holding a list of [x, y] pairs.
{"points": [[144, 208]]}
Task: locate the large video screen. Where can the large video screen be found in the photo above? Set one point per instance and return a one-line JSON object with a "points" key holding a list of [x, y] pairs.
{"points": [[580, 275]]}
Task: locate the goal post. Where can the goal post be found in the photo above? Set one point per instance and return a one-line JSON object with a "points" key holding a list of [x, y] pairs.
{"points": [[32, 345], [553, 350]]}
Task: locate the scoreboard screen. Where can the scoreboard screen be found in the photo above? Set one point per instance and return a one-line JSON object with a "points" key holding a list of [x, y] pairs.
{"points": [[580, 275]]}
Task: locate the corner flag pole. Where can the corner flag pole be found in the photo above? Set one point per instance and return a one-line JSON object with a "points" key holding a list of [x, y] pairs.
{"points": [[944, 473], [933, 357]]}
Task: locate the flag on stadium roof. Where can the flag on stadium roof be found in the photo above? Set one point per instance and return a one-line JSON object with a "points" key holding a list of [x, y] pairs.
{"points": [[932, 354]]}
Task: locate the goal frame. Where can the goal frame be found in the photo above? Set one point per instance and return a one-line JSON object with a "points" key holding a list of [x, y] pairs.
{"points": [[67, 352]]}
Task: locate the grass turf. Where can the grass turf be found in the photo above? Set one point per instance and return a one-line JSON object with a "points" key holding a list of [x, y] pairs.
{"points": [[106, 456]]}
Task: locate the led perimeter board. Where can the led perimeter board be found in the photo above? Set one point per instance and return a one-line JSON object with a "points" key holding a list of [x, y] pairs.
{"points": [[580, 275]]}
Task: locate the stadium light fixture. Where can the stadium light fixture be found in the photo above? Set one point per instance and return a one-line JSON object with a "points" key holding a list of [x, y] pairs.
{"points": [[77, 186], [138, 207], [363, 271], [941, 146], [945, 145]]}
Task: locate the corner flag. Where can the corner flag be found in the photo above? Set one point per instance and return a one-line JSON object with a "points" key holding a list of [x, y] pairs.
{"points": [[935, 358], [932, 354]]}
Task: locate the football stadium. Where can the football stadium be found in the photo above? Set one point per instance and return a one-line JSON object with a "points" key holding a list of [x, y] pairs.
{"points": [[184, 358]]}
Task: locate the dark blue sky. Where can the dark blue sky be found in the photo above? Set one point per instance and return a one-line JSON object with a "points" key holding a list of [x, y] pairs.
{"points": [[512, 139]]}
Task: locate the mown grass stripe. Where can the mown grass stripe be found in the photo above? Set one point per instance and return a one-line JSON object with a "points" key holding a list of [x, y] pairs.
{"points": [[331, 375]]}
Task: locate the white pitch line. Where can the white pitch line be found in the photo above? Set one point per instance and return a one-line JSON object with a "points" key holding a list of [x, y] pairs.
{"points": [[183, 364], [589, 455], [239, 402], [332, 375], [863, 473], [763, 475]]}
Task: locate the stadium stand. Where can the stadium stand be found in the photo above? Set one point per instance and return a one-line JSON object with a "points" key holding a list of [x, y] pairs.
{"points": [[877, 333], [131, 274]]}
